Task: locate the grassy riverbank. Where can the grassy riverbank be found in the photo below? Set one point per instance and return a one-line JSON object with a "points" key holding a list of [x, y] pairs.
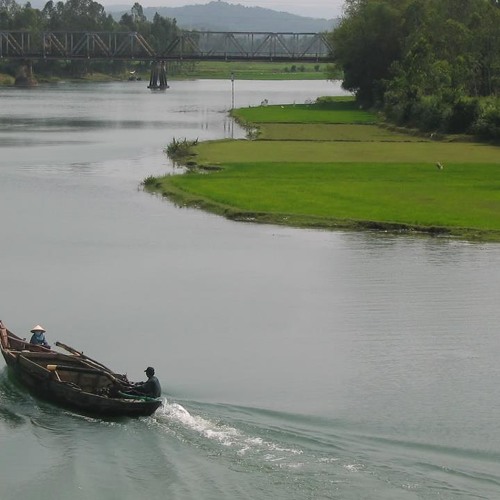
{"points": [[250, 70], [342, 171], [242, 70], [189, 70]]}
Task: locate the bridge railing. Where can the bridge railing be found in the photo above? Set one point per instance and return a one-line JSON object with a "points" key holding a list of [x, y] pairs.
{"points": [[74, 45], [248, 45], [188, 45], [14, 43]]}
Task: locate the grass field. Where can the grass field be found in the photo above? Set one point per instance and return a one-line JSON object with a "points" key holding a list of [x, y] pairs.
{"points": [[370, 178], [403, 193], [250, 70], [342, 110], [330, 132], [232, 152]]}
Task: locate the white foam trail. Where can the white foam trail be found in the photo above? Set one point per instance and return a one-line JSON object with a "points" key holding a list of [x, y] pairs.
{"points": [[224, 434]]}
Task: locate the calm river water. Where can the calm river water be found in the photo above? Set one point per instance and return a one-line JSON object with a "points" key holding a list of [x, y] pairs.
{"points": [[295, 364]]}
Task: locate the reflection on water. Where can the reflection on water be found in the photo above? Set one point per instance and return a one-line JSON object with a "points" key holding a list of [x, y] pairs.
{"points": [[58, 124]]}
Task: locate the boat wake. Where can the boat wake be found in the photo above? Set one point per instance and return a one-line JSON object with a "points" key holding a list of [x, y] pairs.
{"points": [[271, 444], [212, 431], [326, 455]]}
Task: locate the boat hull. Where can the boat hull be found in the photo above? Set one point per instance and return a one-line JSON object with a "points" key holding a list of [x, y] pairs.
{"points": [[71, 382]]}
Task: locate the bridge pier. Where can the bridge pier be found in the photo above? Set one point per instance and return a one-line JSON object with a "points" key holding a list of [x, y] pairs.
{"points": [[158, 78], [24, 75]]}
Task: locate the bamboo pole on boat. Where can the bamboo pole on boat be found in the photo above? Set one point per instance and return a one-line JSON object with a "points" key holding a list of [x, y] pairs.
{"points": [[92, 362], [81, 369]]}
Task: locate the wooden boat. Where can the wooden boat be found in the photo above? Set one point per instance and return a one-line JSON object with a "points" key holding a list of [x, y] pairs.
{"points": [[72, 380]]}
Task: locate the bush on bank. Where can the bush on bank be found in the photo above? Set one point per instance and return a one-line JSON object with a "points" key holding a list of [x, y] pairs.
{"points": [[487, 124], [6, 79], [463, 115]]}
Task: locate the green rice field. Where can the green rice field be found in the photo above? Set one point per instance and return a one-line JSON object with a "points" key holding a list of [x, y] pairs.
{"points": [[341, 174]]}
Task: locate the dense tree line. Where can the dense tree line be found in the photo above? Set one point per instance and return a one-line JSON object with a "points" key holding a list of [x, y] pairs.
{"points": [[432, 64], [83, 16]]}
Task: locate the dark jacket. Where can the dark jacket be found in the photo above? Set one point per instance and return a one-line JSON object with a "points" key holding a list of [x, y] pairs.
{"points": [[150, 388]]}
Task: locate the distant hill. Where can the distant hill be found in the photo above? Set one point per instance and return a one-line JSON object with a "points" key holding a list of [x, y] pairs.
{"points": [[222, 16]]}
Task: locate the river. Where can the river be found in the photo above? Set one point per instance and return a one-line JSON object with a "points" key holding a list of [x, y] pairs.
{"points": [[295, 364]]}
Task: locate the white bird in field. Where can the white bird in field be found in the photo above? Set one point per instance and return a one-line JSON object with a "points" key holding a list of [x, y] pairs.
{"points": [[439, 165]]}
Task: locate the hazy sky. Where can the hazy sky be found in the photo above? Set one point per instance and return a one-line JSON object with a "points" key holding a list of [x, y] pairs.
{"points": [[309, 8]]}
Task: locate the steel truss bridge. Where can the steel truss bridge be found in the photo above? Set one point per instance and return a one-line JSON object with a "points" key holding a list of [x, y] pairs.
{"points": [[188, 45]]}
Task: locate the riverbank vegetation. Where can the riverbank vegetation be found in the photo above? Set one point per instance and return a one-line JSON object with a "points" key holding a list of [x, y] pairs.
{"points": [[240, 70], [6, 79], [430, 65], [359, 175], [180, 149], [251, 70]]}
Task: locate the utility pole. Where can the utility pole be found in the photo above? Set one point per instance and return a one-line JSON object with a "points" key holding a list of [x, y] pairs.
{"points": [[232, 91]]}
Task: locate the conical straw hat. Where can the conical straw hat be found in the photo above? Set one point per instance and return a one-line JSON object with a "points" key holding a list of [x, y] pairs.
{"points": [[38, 328]]}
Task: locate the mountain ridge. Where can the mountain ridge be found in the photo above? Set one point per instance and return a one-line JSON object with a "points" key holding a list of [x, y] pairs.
{"points": [[222, 16]]}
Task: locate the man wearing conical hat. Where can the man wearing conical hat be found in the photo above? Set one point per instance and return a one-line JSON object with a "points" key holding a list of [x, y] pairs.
{"points": [[38, 337]]}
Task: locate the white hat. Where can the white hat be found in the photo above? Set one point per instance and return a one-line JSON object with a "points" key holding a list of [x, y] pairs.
{"points": [[38, 328]]}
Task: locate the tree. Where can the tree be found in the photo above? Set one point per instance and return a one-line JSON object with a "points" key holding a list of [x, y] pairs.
{"points": [[27, 18], [427, 63], [138, 13], [81, 15], [8, 8], [419, 47], [365, 45], [136, 20], [163, 31]]}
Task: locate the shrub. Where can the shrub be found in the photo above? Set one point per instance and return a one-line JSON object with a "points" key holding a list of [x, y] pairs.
{"points": [[428, 113], [397, 108], [463, 115], [151, 182], [487, 124], [179, 149]]}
